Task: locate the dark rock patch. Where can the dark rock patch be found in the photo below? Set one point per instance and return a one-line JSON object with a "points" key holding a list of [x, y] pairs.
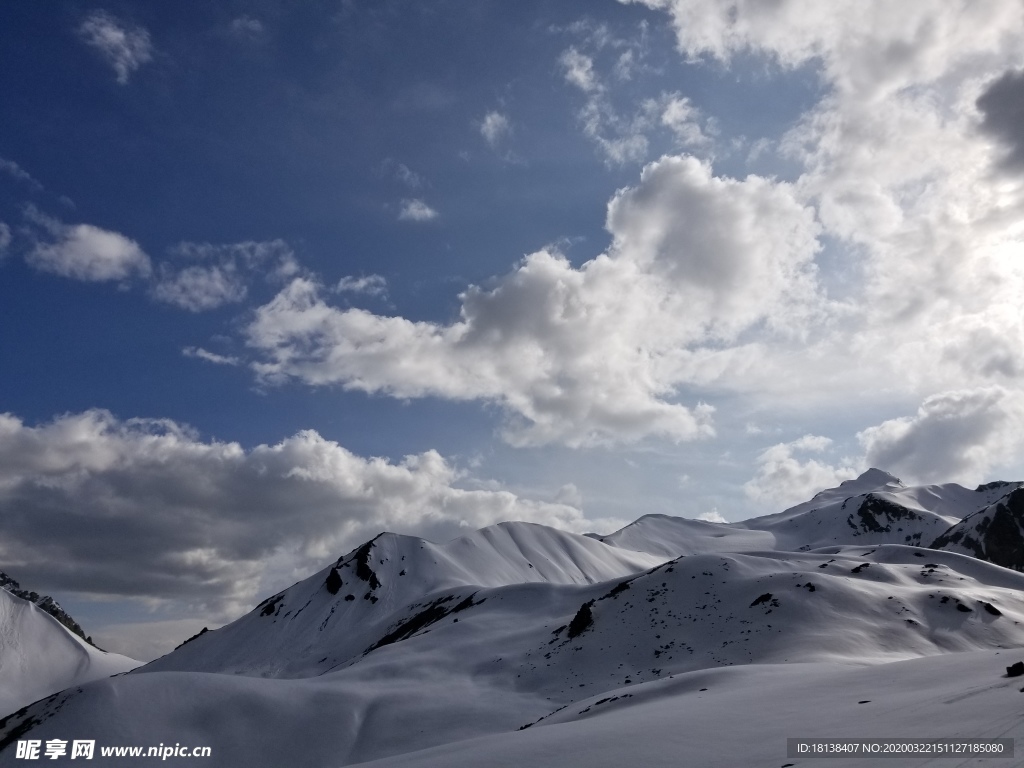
{"points": [[333, 582], [583, 620]]}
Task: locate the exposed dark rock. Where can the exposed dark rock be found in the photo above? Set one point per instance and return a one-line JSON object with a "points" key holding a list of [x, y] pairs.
{"points": [[1015, 670], [622, 586], [433, 613], [333, 582], [876, 515], [363, 569], [44, 603], [995, 534], [271, 604], [582, 621], [762, 599], [989, 608], [202, 631]]}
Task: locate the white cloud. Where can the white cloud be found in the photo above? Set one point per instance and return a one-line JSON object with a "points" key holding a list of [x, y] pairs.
{"points": [[578, 69], [584, 355], [683, 119], [125, 47], [210, 357], [624, 138], [145, 509], [223, 275], [18, 173], [246, 27], [200, 288], [957, 435], [372, 285], [402, 173], [86, 252], [416, 210], [783, 479], [495, 127], [5, 239], [714, 516]]}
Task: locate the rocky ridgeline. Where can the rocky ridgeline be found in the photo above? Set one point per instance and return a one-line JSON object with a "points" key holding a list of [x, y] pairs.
{"points": [[45, 603]]}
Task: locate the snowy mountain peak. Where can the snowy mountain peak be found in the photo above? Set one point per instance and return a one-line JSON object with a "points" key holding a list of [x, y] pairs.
{"points": [[871, 480]]}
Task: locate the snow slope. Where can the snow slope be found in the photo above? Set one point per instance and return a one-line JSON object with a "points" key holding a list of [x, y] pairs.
{"points": [[308, 629], [742, 716], [39, 656]]}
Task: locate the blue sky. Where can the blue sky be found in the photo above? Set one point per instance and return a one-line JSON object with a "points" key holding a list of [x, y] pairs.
{"points": [[275, 277]]}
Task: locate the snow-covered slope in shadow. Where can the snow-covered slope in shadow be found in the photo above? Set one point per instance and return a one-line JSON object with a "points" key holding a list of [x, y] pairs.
{"points": [[742, 716], [39, 656]]}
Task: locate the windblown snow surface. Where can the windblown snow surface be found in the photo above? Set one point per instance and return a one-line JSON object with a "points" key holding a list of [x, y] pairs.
{"points": [[39, 656], [669, 643]]}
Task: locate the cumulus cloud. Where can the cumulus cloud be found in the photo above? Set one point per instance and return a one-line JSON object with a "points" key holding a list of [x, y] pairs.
{"points": [[784, 478], [714, 516], [495, 127], [222, 274], [85, 252], [126, 47], [956, 435], [416, 210], [584, 355], [146, 509]]}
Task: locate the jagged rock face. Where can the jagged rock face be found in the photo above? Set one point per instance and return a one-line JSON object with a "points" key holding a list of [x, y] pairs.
{"points": [[995, 534], [45, 602], [878, 515]]}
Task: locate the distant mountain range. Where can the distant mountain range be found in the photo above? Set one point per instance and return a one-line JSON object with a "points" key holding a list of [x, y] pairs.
{"points": [[520, 644]]}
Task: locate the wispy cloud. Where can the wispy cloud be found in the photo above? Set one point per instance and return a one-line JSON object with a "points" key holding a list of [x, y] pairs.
{"points": [[220, 274], [18, 173], [372, 285], [126, 47]]}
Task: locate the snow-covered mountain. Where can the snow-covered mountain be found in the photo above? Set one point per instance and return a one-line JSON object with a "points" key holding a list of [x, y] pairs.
{"points": [[341, 611], [40, 656], [995, 534], [875, 508], [521, 644], [45, 602]]}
